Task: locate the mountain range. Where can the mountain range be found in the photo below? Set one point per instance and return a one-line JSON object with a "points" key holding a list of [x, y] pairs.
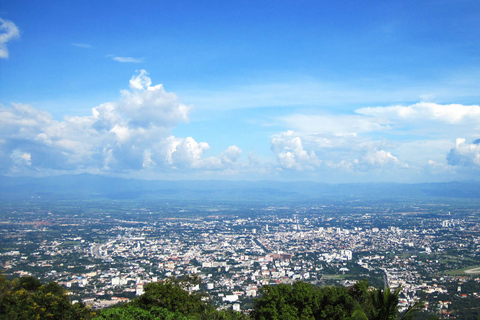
{"points": [[88, 186]]}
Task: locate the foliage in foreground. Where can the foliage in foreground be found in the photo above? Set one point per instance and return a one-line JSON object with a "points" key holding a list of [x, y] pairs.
{"points": [[27, 298], [303, 301], [170, 300], [130, 312], [383, 305]]}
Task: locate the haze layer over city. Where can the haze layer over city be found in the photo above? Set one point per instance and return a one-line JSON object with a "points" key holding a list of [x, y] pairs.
{"points": [[243, 144]]}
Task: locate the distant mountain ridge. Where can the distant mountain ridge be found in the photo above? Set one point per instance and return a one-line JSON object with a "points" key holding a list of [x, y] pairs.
{"points": [[87, 186]]}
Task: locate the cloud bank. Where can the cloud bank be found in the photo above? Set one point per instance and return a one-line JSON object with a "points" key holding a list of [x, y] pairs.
{"points": [[132, 136], [409, 140]]}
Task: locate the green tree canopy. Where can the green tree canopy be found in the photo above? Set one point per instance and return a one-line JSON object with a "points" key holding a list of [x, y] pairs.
{"points": [[26, 298], [171, 295], [383, 305], [303, 301], [131, 312]]}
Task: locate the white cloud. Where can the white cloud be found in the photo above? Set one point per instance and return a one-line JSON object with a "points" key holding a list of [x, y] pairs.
{"points": [[21, 158], [420, 118], [146, 104], [131, 134], [465, 154], [449, 113], [185, 152], [134, 135], [8, 31], [141, 81], [147, 159], [290, 154], [122, 133], [378, 158], [109, 159], [366, 158], [346, 153], [27, 158], [434, 168], [388, 137], [22, 121], [231, 155], [128, 59], [420, 152]]}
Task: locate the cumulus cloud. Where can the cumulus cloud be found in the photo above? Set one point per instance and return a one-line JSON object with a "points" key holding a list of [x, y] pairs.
{"points": [[231, 155], [8, 31], [465, 154], [132, 133], [141, 81], [346, 153], [360, 142], [23, 121], [145, 104], [377, 159], [147, 159], [188, 153], [367, 158], [21, 158], [290, 154], [185, 152]]}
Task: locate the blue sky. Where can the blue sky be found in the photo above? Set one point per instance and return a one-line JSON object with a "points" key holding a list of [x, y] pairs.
{"points": [[332, 91]]}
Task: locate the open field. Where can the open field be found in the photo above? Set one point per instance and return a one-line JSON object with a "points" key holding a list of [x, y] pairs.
{"points": [[467, 270], [332, 276], [473, 270]]}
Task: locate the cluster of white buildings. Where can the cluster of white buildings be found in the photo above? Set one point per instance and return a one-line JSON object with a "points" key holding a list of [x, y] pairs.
{"points": [[234, 256]]}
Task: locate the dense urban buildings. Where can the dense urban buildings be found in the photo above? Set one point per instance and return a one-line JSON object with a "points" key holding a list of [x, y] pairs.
{"points": [[104, 252]]}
